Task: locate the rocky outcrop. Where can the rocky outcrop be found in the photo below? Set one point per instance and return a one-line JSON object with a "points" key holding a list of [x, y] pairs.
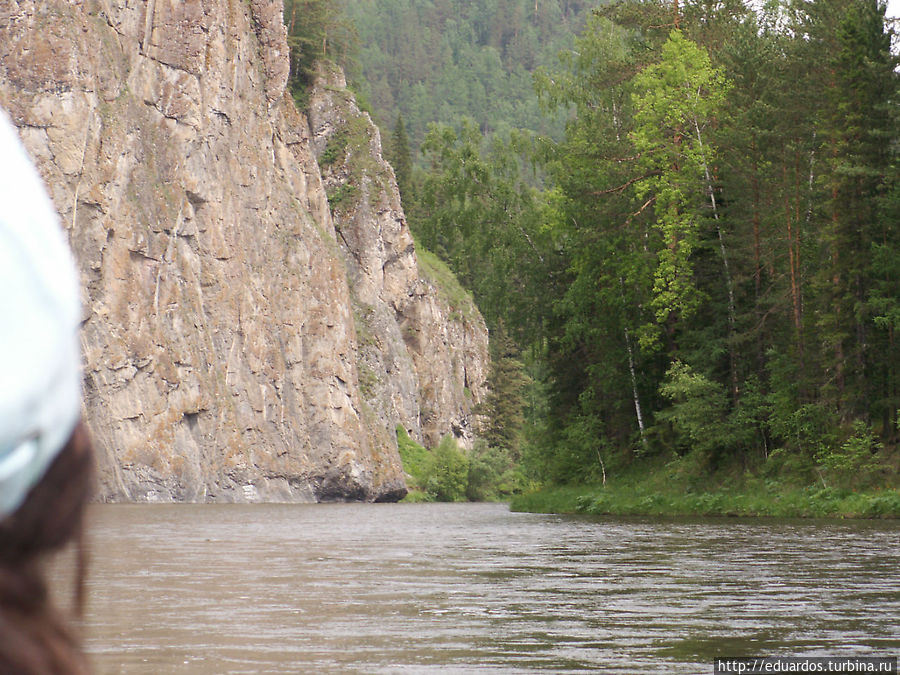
{"points": [[225, 354], [422, 353]]}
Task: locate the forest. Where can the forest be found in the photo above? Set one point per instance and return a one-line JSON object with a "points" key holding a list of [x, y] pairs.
{"points": [[681, 221]]}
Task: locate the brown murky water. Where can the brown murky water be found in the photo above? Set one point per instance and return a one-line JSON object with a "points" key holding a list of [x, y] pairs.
{"points": [[473, 588]]}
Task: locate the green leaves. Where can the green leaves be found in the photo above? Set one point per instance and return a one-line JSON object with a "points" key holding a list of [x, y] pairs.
{"points": [[448, 472], [400, 159], [710, 263], [729, 205], [437, 62], [502, 410], [441, 474], [674, 101], [317, 29], [475, 210]]}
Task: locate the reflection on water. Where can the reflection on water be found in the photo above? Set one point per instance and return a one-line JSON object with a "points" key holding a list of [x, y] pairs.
{"points": [[379, 588]]}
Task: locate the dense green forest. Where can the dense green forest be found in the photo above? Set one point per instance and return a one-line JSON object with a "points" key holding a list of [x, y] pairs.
{"points": [[439, 61], [706, 284], [427, 62]]}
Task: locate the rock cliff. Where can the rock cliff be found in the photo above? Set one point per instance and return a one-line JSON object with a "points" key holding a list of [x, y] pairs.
{"points": [[240, 344], [422, 343]]}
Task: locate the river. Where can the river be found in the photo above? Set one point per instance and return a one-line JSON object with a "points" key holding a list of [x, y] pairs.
{"points": [[473, 588]]}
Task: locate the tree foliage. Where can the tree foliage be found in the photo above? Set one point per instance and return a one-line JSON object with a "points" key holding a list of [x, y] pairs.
{"points": [[438, 62], [503, 409], [401, 160], [726, 206], [702, 264], [448, 472], [317, 29]]}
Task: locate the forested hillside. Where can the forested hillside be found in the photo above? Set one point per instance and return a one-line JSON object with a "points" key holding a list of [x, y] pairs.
{"points": [[710, 280], [439, 61]]}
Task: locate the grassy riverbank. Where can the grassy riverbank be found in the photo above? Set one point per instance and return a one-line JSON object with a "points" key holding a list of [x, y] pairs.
{"points": [[811, 502], [659, 491]]}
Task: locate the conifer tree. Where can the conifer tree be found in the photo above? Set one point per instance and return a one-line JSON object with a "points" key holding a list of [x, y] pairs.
{"points": [[858, 122], [716, 268], [317, 29], [401, 160], [502, 411]]}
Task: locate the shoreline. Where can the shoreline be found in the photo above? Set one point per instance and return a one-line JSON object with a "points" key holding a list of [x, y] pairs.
{"points": [[810, 502]]}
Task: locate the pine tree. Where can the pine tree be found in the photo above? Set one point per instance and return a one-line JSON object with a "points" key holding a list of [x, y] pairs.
{"points": [[502, 411], [317, 29], [401, 160], [857, 127]]}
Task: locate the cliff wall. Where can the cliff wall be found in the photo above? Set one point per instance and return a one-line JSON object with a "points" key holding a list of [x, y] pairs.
{"points": [[422, 347], [227, 356]]}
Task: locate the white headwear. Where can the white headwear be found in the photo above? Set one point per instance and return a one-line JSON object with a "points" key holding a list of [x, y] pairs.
{"points": [[40, 380]]}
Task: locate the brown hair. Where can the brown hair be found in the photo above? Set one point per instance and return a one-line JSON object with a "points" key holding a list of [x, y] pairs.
{"points": [[34, 636]]}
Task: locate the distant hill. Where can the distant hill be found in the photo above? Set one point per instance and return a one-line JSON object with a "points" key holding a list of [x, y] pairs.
{"points": [[441, 60]]}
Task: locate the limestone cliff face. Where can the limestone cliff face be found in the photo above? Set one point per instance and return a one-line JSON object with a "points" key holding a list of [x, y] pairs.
{"points": [[422, 353], [222, 341]]}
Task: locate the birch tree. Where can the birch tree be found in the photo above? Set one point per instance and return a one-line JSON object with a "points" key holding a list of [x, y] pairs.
{"points": [[674, 101]]}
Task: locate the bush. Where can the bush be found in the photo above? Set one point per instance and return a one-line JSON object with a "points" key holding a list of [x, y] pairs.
{"points": [[854, 460], [492, 474], [415, 459], [485, 467], [447, 472], [697, 412]]}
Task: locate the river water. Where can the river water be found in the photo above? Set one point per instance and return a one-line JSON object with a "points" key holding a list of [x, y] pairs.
{"points": [[473, 588]]}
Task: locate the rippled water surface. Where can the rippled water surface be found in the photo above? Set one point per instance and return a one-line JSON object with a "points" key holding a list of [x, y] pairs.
{"points": [[416, 588]]}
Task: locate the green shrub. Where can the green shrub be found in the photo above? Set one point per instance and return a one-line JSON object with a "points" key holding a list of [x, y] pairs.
{"points": [[884, 504], [485, 467], [341, 195], [492, 474], [448, 472], [415, 459], [855, 460], [335, 148]]}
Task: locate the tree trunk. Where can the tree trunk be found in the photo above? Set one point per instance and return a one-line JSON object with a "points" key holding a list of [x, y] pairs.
{"points": [[729, 285], [634, 390], [793, 263]]}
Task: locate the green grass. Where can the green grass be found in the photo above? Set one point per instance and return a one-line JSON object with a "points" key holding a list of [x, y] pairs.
{"points": [[558, 499], [684, 486], [438, 273], [342, 195], [771, 500]]}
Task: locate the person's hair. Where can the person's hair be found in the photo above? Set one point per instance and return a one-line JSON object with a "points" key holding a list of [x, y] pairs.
{"points": [[34, 636]]}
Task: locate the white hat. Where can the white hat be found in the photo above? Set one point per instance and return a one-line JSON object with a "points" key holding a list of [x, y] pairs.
{"points": [[40, 379]]}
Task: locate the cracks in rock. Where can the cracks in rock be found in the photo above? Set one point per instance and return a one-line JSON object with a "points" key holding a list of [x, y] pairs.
{"points": [[221, 115], [139, 255], [87, 133], [148, 26], [395, 258], [106, 15], [156, 106], [142, 363], [192, 419], [28, 125], [171, 66], [196, 200], [355, 255]]}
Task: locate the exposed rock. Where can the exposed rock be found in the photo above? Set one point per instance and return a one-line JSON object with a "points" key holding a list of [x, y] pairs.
{"points": [[222, 361], [422, 356]]}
